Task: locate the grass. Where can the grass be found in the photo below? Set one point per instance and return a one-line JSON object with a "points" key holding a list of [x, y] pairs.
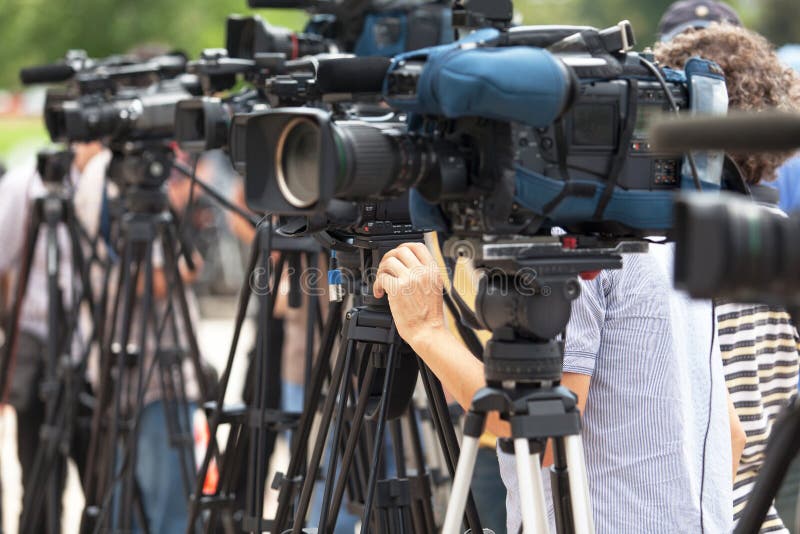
{"points": [[20, 131]]}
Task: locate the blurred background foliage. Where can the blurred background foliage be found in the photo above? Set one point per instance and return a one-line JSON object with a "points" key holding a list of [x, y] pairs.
{"points": [[37, 31]]}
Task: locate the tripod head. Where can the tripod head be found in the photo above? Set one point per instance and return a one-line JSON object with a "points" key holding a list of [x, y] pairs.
{"points": [[54, 165], [525, 298], [140, 169]]}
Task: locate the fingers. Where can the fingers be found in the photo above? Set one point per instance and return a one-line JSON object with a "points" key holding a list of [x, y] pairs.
{"points": [[379, 287], [419, 250], [392, 266], [406, 256]]}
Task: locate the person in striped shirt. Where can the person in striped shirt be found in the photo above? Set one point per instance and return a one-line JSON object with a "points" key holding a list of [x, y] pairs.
{"points": [[758, 343]]}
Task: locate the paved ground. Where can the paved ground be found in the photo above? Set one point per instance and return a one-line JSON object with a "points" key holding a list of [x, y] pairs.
{"points": [[214, 336]]}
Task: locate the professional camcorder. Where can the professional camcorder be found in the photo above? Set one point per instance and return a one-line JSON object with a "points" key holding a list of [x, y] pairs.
{"points": [[118, 98], [375, 27], [502, 137], [129, 114]]}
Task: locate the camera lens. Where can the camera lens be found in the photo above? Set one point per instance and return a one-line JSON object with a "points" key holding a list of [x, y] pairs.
{"points": [[298, 163]]}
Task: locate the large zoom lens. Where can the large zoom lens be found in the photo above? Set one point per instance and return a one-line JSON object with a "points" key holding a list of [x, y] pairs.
{"points": [[731, 248], [316, 160], [297, 165], [372, 161]]}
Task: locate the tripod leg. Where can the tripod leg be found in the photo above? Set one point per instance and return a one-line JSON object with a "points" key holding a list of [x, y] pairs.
{"points": [[531, 487], [579, 485], [338, 423], [349, 449], [129, 479], [129, 274], [391, 365], [297, 457], [241, 313], [345, 352], [419, 462], [93, 479], [476, 422], [440, 416]]}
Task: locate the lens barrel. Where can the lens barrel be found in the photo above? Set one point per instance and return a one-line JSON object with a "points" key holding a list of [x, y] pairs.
{"points": [[732, 248]]}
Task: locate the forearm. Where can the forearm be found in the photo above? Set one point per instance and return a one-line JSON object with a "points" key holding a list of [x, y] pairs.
{"points": [[738, 437], [460, 372]]}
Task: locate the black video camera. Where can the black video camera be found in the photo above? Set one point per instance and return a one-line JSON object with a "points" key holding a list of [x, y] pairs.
{"points": [[130, 114], [117, 98]]}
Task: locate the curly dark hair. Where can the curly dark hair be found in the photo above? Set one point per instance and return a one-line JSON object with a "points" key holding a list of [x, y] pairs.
{"points": [[755, 77]]}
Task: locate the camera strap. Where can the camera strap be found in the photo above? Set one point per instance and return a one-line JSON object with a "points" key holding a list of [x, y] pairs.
{"points": [[621, 157], [567, 190]]}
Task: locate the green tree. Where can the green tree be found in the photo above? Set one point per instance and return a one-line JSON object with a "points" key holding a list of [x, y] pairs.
{"points": [[780, 21], [41, 31], [644, 15]]}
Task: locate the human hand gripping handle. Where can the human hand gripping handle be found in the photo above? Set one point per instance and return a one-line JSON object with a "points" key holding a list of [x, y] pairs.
{"points": [[410, 277]]}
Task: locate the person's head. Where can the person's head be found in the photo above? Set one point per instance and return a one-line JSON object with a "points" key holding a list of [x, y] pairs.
{"points": [[694, 14], [755, 77], [84, 152]]}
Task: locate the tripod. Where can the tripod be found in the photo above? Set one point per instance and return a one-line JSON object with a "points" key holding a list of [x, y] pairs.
{"points": [[526, 304], [386, 372], [253, 428], [141, 169], [61, 387]]}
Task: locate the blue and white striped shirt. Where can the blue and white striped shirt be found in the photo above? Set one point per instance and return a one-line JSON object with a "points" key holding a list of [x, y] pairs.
{"points": [[656, 430]]}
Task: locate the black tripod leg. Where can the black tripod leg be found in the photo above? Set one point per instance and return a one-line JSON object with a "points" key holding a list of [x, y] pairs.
{"points": [[440, 416], [129, 478], [213, 424], [338, 424], [92, 478], [559, 478], [783, 446], [350, 449], [344, 356], [48, 388], [418, 456], [259, 438], [386, 395], [183, 303], [130, 275], [177, 408], [298, 453]]}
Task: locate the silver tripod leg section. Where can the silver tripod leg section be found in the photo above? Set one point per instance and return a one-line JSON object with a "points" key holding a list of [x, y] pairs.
{"points": [[531, 489], [461, 485], [579, 485]]}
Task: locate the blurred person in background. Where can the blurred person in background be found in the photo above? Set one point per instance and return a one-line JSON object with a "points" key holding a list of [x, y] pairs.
{"points": [[758, 343], [788, 180], [18, 189], [157, 469]]}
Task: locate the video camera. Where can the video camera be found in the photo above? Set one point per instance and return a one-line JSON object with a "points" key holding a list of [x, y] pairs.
{"points": [[118, 98], [375, 27], [503, 137], [130, 114]]}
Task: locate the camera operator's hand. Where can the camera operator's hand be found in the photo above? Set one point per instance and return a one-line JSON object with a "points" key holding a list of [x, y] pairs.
{"points": [[410, 276]]}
